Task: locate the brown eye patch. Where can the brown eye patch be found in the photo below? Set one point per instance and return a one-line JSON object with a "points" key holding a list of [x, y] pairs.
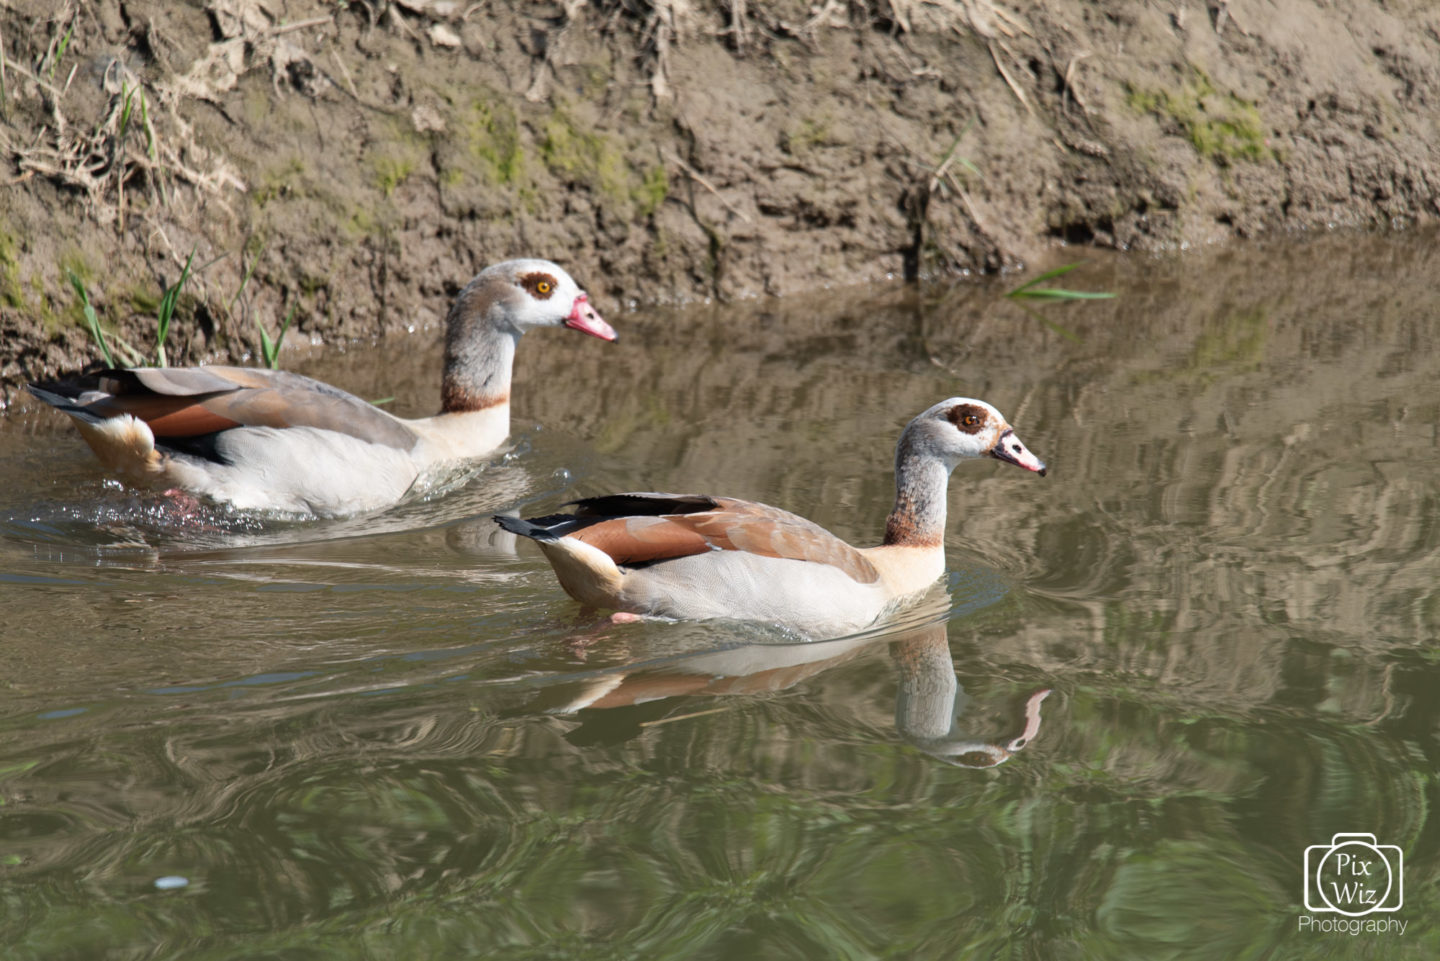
{"points": [[967, 418], [540, 285]]}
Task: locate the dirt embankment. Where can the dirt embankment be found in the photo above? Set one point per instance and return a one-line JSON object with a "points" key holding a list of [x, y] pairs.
{"points": [[359, 161]]}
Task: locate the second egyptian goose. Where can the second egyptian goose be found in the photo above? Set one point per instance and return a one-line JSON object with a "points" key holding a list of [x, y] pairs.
{"points": [[698, 556], [272, 440]]}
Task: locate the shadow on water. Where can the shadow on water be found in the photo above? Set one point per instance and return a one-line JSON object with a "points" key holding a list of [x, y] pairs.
{"points": [[393, 736]]}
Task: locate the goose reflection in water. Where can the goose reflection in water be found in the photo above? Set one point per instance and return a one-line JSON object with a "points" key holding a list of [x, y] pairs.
{"points": [[930, 703]]}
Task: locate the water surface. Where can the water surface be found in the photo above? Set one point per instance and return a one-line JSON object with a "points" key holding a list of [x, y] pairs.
{"points": [[395, 737]]}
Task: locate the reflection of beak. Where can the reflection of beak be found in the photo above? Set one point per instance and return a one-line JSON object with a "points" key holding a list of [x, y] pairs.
{"points": [[1008, 448], [585, 318], [978, 754]]}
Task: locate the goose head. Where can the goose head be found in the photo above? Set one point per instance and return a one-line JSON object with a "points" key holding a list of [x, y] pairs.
{"points": [[962, 428], [516, 295], [488, 317]]}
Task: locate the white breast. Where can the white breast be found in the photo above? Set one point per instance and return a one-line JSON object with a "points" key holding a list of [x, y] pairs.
{"points": [[299, 469], [815, 599]]}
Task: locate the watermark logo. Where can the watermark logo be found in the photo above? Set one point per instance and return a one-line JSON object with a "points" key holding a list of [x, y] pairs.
{"points": [[1353, 876]]}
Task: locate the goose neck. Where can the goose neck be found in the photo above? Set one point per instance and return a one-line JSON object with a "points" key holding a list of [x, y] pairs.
{"points": [[478, 362], [918, 518]]}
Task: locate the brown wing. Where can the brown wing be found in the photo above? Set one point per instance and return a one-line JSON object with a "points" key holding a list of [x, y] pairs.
{"points": [[190, 401], [728, 524]]}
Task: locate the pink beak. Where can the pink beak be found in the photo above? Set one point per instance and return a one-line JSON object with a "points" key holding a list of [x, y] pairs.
{"points": [[1008, 448], [585, 318]]}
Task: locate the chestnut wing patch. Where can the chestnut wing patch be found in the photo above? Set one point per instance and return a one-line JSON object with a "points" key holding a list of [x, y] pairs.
{"points": [[643, 540], [170, 416], [651, 532], [179, 402]]}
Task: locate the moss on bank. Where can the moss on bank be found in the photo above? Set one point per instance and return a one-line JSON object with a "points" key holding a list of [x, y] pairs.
{"points": [[1219, 125]]}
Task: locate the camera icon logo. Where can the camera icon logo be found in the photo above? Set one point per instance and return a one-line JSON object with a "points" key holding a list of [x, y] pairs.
{"points": [[1354, 876]]}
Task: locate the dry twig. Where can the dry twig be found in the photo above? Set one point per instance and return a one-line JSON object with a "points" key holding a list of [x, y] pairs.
{"points": [[1070, 89], [695, 176], [1009, 80]]}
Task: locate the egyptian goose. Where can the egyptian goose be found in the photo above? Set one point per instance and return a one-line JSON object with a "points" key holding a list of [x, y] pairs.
{"points": [[272, 440], [697, 556]]}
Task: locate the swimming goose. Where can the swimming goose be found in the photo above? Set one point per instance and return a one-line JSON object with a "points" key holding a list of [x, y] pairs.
{"points": [[273, 440], [697, 556]]}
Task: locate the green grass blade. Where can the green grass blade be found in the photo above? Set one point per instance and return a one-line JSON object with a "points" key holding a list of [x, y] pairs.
{"points": [[950, 157], [92, 322], [126, 106], [270, 350], [149, 130], [245, 280], [133, 357], [60, 51], [286, 325], [1063, 331], [1048, 275], [167, 309], [1030, 290], [1060, 293]]}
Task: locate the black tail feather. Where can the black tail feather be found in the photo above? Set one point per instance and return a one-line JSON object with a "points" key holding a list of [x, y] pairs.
{"points": [[534, 529], [49, 392], [595, 510]]}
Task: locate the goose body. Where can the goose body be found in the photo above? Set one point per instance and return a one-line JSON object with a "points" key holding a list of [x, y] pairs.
{"points": [[697, 556], [274, 440]]}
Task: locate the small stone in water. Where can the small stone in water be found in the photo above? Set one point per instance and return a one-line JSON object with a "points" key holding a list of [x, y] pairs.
{"points": [[170, 882]]}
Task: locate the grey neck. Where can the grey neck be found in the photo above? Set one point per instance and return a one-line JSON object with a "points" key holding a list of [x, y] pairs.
{"points": [[478, 361], [925, 704], [918, 518]]}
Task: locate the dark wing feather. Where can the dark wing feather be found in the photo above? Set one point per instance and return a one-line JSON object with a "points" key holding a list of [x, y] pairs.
{"points": [[620, 505]]}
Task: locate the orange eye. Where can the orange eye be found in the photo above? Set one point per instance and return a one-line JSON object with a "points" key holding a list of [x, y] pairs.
{"points": [[543, 286], [971, 420]]}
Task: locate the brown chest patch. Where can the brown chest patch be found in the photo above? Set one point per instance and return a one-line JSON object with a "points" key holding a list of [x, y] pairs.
{"points": [[454, 399], [902, 528]]}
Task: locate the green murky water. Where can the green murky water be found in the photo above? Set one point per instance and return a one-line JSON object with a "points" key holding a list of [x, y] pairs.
{"points": [[394, 737]]}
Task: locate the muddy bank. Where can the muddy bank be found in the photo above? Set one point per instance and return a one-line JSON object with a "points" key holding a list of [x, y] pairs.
{"points": [[358, 162]]}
